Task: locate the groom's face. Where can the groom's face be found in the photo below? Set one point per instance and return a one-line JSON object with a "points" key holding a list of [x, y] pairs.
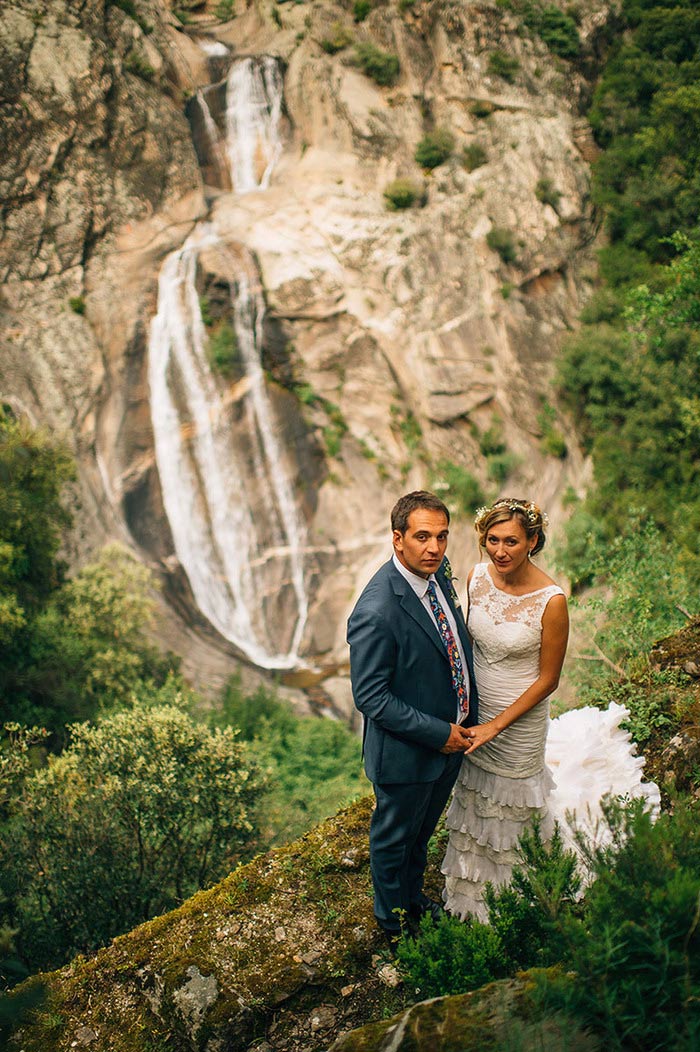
{"points": [[422, 547]]}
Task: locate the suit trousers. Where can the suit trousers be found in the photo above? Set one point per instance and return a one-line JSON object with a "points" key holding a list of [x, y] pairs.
{"points": [[401, 826]]}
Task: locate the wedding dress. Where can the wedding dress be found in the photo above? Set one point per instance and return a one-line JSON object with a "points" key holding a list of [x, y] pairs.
{"points": [[511, 779]]}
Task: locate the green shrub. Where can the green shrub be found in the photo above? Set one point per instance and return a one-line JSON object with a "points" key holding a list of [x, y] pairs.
{"points": [[502, 65], [500, 465], [547, 193], [474, 156], [222, 349], [77, 304], [138, 65], [361, 9], [481, 108], [314, 765], [460, 488], [451, 957], [502, 241], [491, 441], [559, 32], [225, 10], [435, 148], [381, 66], [340, 38], [552, 441], [139, 812], [403, 193]]}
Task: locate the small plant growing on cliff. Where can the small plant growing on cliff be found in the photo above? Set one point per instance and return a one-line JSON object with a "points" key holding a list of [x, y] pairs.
{"points": [[222, 349], [361, 9], [552, 441], [501, 240], [225, 10], [474, 156], [403, 193], [381, 66], [77, 304], [460, 489], [340, 38], [502, 65], [547, 193], [481, 108], [435, 148]]}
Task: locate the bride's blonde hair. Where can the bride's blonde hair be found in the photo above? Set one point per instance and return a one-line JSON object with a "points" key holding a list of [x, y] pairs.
{"points": [[529, 515]]}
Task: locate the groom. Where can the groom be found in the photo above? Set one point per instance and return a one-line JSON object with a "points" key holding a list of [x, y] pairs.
{"points": [[413, 682]]}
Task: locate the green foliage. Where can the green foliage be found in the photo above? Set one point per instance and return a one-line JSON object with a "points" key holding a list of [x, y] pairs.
{"points": [[481, 108], [502, 241], [381, 66], [137, 64], [435, 148], [314, 765], [556, 28], [474, 156], [552, 442], [503, 65], [637, 377], [340, 38], [636, 951], [646, 113], [225, 10], [547, 193], [77, 304], [461, 491], [140, 811], [525, 919], [409, 428], [403, 193], [491, 441], [222, 348], [500, 465], [360, 10]]}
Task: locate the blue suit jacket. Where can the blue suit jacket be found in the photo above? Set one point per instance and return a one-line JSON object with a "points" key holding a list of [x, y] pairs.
{"points": [[401, 680]]}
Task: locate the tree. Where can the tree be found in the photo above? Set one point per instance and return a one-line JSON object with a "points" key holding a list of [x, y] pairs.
{"points": [[139, 812]]}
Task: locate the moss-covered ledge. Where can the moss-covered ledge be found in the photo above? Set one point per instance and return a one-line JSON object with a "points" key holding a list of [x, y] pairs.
{"points": [[280, 950], [497, 1017]]}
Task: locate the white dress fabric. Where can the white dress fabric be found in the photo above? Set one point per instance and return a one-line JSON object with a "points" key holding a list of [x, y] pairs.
{"points": [[504, 784]]}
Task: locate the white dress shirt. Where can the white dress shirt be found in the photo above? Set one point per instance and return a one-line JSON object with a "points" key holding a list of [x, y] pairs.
{"points": [[420, 587]]}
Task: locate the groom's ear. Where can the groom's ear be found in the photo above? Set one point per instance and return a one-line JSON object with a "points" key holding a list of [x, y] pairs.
{"points": [[396, 537]]}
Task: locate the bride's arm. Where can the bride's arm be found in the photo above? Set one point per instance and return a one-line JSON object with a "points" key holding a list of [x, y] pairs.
{"points": [[555, 635]]}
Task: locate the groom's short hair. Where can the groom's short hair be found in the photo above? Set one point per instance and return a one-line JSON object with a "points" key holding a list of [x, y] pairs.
{"points": [[419, 498]]}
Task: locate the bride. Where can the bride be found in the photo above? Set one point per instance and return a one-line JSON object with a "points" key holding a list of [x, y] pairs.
{"points": [[517, 618]]}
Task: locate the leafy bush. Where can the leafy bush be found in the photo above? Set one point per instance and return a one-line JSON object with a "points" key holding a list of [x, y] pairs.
{"points": [[340, 38], [77, 304], [403, 193], [381, 66], [500, 465], [559, 31], [502, 241], [222, 349], [481, 108], [474, 156], [140, 811], [314, 765], [491, 441], [503, 65], [361, 9], [435, 148], [460, 489], [453, 956], [552, 441], [547, 193]]}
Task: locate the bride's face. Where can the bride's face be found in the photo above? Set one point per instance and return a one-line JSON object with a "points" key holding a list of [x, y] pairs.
{"points": [[507, 545]]}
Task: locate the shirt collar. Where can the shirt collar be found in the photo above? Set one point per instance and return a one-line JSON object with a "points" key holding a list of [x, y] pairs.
{"points": [[418, 584]]}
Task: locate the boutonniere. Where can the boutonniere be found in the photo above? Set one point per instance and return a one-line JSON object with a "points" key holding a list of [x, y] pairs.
{"points": [[450, 578]]}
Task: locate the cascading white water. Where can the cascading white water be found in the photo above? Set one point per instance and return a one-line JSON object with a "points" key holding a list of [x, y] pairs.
{"points": [[230, 505], [213, 141], [253, 111]]}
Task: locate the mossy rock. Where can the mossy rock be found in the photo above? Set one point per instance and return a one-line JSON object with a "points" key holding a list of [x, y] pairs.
{"points": [[499, 1016], [680, 650], [282, 935]]}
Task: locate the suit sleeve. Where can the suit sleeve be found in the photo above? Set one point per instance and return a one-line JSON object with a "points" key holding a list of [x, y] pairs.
{"points": [[373, 655]]}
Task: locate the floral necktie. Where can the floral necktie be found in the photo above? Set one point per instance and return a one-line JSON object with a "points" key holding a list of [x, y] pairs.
{"points": [[450, 644]]}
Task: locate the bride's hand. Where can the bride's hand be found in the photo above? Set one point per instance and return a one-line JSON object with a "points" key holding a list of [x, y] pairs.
{"points": [[481, 734]]}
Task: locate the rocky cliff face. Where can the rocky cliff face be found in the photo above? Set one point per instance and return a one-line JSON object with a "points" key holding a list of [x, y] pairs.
{"points": [[393, 349]]}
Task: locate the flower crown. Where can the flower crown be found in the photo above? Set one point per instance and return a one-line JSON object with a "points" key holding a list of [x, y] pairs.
{"points": [[530, 510]]}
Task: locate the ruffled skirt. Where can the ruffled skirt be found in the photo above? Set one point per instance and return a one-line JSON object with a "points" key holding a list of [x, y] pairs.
{"points": [[486, 818]]}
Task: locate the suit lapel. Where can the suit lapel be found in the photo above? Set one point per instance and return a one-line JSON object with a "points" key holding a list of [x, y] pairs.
{"points": [[415, 609]]}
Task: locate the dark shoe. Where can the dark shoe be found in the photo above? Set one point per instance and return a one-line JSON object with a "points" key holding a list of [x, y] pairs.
{"points": [[425, 906]]}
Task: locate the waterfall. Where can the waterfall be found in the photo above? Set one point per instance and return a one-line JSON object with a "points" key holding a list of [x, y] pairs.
{"points": [[212, 141], [227, 496], [253, 111]]}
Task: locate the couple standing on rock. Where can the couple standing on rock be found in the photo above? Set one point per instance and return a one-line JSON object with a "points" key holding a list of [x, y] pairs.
{"points": [[439, 715]]}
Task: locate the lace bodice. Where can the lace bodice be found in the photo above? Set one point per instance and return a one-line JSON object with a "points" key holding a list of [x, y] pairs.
{"points": [[506, 628]]}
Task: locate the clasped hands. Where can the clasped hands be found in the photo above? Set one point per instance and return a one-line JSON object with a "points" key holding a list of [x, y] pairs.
{"points": [[467, 739]]}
